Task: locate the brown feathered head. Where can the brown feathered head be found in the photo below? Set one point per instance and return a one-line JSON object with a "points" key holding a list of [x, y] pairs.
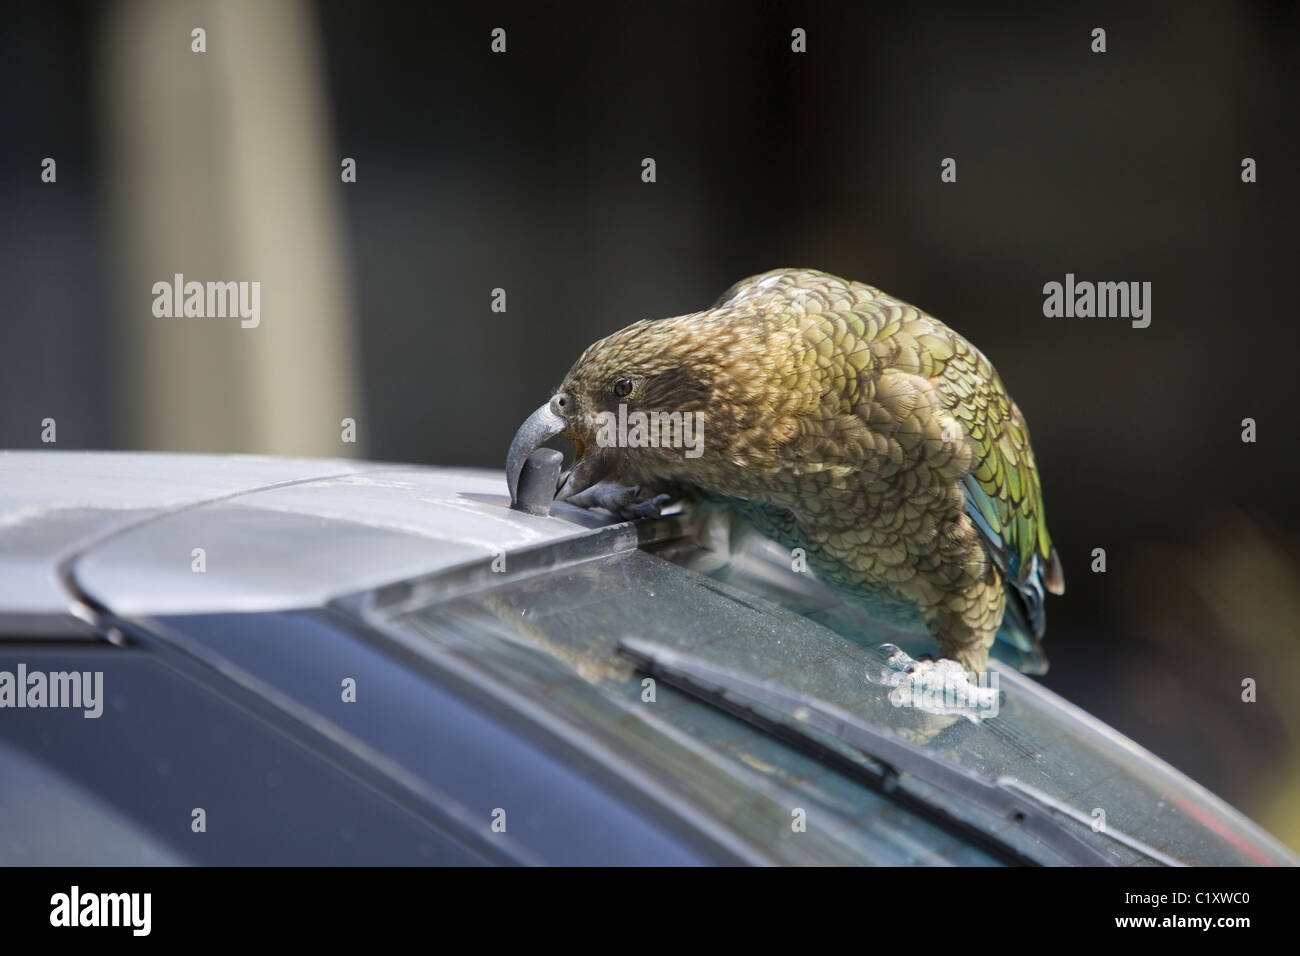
{"points": [[662, 398]]}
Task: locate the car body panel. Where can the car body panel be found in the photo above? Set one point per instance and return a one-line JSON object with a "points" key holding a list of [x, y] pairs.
{"points": [[279, 533], [461, 615]]}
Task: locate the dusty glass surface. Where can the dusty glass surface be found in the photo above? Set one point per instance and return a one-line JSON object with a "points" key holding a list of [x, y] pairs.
{"points": [[553, 635]]}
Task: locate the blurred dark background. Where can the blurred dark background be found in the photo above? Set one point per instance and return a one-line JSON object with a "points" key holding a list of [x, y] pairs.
{"points": [[522, 171]]}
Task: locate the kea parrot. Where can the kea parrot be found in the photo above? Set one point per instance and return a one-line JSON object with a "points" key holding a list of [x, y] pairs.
{"points": [[840, 420]]}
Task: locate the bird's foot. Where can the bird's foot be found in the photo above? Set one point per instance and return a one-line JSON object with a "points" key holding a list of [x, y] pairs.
{"points": [[941, 687], [624, 501]]}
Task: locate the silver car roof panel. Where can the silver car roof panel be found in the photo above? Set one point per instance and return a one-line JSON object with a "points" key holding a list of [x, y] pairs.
{"points": [[275, 533]]}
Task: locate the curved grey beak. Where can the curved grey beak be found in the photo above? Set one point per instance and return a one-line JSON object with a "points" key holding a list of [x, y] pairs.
{"points": [[541, 426]]}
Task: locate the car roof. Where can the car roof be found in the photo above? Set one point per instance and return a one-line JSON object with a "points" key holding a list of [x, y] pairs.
{"points": [[159, 537], [130, 524]]}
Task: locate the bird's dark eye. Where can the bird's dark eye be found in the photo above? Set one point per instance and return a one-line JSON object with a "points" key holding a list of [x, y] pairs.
{"points": [[623, 387]]}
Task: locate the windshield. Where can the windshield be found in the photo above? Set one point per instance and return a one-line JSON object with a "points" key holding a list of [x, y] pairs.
{"points": [[552, 630]]}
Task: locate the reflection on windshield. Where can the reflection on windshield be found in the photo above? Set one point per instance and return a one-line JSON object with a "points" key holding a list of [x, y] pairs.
{"points": [[558, 631]]}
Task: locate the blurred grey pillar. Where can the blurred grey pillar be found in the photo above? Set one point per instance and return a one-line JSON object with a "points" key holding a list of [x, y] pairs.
{"points": [[220, 167]]}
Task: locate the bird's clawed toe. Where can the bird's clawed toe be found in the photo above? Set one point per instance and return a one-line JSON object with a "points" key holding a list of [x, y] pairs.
{"points": [[627, 502], [941, 687]]}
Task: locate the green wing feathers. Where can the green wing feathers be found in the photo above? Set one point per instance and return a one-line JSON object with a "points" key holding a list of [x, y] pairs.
{"points": [[1009, 498]]}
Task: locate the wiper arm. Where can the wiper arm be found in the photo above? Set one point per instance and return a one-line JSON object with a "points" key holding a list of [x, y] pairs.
{"points": [[737, 693]]}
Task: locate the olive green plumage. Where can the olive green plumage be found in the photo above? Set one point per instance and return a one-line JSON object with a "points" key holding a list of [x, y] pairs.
{"points": [[843, 421]]}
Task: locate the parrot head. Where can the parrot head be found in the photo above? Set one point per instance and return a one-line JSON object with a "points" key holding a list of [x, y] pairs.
{"points": [[668, 374]]}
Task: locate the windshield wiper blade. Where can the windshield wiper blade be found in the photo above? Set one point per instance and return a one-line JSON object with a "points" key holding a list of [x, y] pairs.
{"points": [[737, 693]]}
